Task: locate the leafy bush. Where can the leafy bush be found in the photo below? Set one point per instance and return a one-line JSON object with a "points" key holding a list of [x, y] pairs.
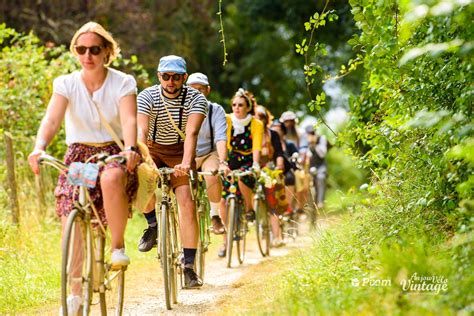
{"points": [[27, 70]]}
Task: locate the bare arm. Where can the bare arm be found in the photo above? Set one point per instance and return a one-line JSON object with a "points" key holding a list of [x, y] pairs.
{"points": [[142, 120], [128, 120], [222, 150], [222, 154], [50, 125], [192, 130], [256, 156]]}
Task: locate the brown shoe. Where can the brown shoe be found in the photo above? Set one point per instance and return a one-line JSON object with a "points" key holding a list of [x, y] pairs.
{"points": [[217, 226]]}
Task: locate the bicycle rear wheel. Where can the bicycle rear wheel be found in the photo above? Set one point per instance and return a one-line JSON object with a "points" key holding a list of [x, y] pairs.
{"points": [[166, 255], [262, 227], [112, 282], [77, 258], [231, 229], [241, 233]]}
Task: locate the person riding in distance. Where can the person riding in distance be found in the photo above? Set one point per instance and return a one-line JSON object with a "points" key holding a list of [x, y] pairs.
{"points": [[244, 143], [73, 100], [169, 118], [289, 148], [211, 150], [316, 157], [272, 156]]}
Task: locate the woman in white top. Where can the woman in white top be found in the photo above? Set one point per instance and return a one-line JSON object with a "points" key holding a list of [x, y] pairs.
{"points": [[73, 100]]}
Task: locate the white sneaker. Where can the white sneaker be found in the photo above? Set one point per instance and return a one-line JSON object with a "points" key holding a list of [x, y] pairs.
{"points": [[277, 242], [74, 303], [119, 258]]}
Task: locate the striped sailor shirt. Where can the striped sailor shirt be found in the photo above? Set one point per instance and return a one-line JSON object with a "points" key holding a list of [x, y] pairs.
{"points": [[160, 129]]}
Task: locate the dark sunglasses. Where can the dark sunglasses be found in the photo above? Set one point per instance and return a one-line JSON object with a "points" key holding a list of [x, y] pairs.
{"points": [[240, 105], [175, 77], [94, 50]]}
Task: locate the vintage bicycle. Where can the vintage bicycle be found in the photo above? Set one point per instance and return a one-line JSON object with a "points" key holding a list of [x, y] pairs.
{"points": [[237, 223], [198, 183], [262, 220], [85, 266], [169, 248]]}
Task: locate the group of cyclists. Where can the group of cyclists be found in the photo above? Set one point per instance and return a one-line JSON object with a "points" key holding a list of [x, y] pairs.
{"points": [[183, 130]]}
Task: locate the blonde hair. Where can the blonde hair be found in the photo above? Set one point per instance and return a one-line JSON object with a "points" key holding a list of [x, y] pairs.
{"points": [[109, 43], [260, 109], [249, 99]]}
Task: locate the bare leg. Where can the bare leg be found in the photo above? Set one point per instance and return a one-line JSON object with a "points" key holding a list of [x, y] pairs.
{"points": [[76, 260], [247, 193], [115, 204], [187, 217], [223, 213], [276, 230]]}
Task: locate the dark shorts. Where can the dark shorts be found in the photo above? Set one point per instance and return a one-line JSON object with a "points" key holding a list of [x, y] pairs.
{"points": [[290, 177], [170, 156], [66, 193]]}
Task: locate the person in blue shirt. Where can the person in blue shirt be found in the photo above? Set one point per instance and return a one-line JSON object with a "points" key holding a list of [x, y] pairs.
{"points": [[211, 150]]}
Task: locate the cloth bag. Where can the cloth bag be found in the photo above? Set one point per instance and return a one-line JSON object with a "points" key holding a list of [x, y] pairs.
{"points": [[147, 171], [148, 174]]}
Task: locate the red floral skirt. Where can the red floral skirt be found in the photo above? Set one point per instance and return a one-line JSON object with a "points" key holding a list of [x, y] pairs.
{"points": [[66, 193]]}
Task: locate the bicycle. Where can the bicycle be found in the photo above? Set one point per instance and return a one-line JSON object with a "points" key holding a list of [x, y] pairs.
{"points": [[312, 199], [169, 249], [203, 216], [83, 248], [262, 221], [237, 227]]}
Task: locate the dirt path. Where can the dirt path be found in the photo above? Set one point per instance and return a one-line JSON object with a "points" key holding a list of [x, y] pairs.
{"points": [[145, 292], [145, 295], [144, 288]]}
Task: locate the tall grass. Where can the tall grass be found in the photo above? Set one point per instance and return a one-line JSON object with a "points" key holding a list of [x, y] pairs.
{"points": [[30, 258], [360, 247]]}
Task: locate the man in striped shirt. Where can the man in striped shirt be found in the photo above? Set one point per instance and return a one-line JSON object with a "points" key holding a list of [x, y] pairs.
{"points": [[169, 119]]}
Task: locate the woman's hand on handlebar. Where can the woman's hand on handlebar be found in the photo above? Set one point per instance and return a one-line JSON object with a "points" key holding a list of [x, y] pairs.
{"points": [[33, 160], [133, 158]]}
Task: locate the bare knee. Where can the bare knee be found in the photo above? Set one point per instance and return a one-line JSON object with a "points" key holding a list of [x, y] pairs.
{"points": [[113, 180]]}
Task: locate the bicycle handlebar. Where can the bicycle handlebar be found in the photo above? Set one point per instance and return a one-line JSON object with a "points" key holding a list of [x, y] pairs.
{"points": [[166, 170], [103, 159]]}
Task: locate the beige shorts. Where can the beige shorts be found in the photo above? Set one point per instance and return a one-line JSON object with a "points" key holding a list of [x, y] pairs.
{"points": [[208, 162], [302, 180]]}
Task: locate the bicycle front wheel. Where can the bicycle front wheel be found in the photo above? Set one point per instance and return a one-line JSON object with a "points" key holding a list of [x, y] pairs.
{"points": [[262, 227], [231, 229], [241, 232], [166, 255], [77, 260], [112, 284]]}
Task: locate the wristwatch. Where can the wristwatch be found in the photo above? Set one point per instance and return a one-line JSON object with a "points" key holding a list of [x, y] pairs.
{"points": [[131, 148]]}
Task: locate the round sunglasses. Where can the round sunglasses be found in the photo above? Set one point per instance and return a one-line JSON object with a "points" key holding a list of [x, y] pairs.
{"points": [[175, 77], [94, 50]]}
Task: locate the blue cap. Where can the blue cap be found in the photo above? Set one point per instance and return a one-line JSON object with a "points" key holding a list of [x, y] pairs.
{"points": [[172, 63]]}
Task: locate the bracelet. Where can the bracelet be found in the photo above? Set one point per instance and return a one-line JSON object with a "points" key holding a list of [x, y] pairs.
{"points": [[130, 148], [223, 162]]}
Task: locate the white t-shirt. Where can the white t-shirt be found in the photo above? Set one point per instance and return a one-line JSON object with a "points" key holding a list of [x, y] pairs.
{"points": [[82, 121]]}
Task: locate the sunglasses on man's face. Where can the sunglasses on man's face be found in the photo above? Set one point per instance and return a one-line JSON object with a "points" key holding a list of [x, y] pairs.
{"points": [[94, 50], [175, 77]]}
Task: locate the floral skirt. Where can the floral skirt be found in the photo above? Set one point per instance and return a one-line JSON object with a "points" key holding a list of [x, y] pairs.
{"points": [[276, 197], [238, 161], [66, 193]]}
